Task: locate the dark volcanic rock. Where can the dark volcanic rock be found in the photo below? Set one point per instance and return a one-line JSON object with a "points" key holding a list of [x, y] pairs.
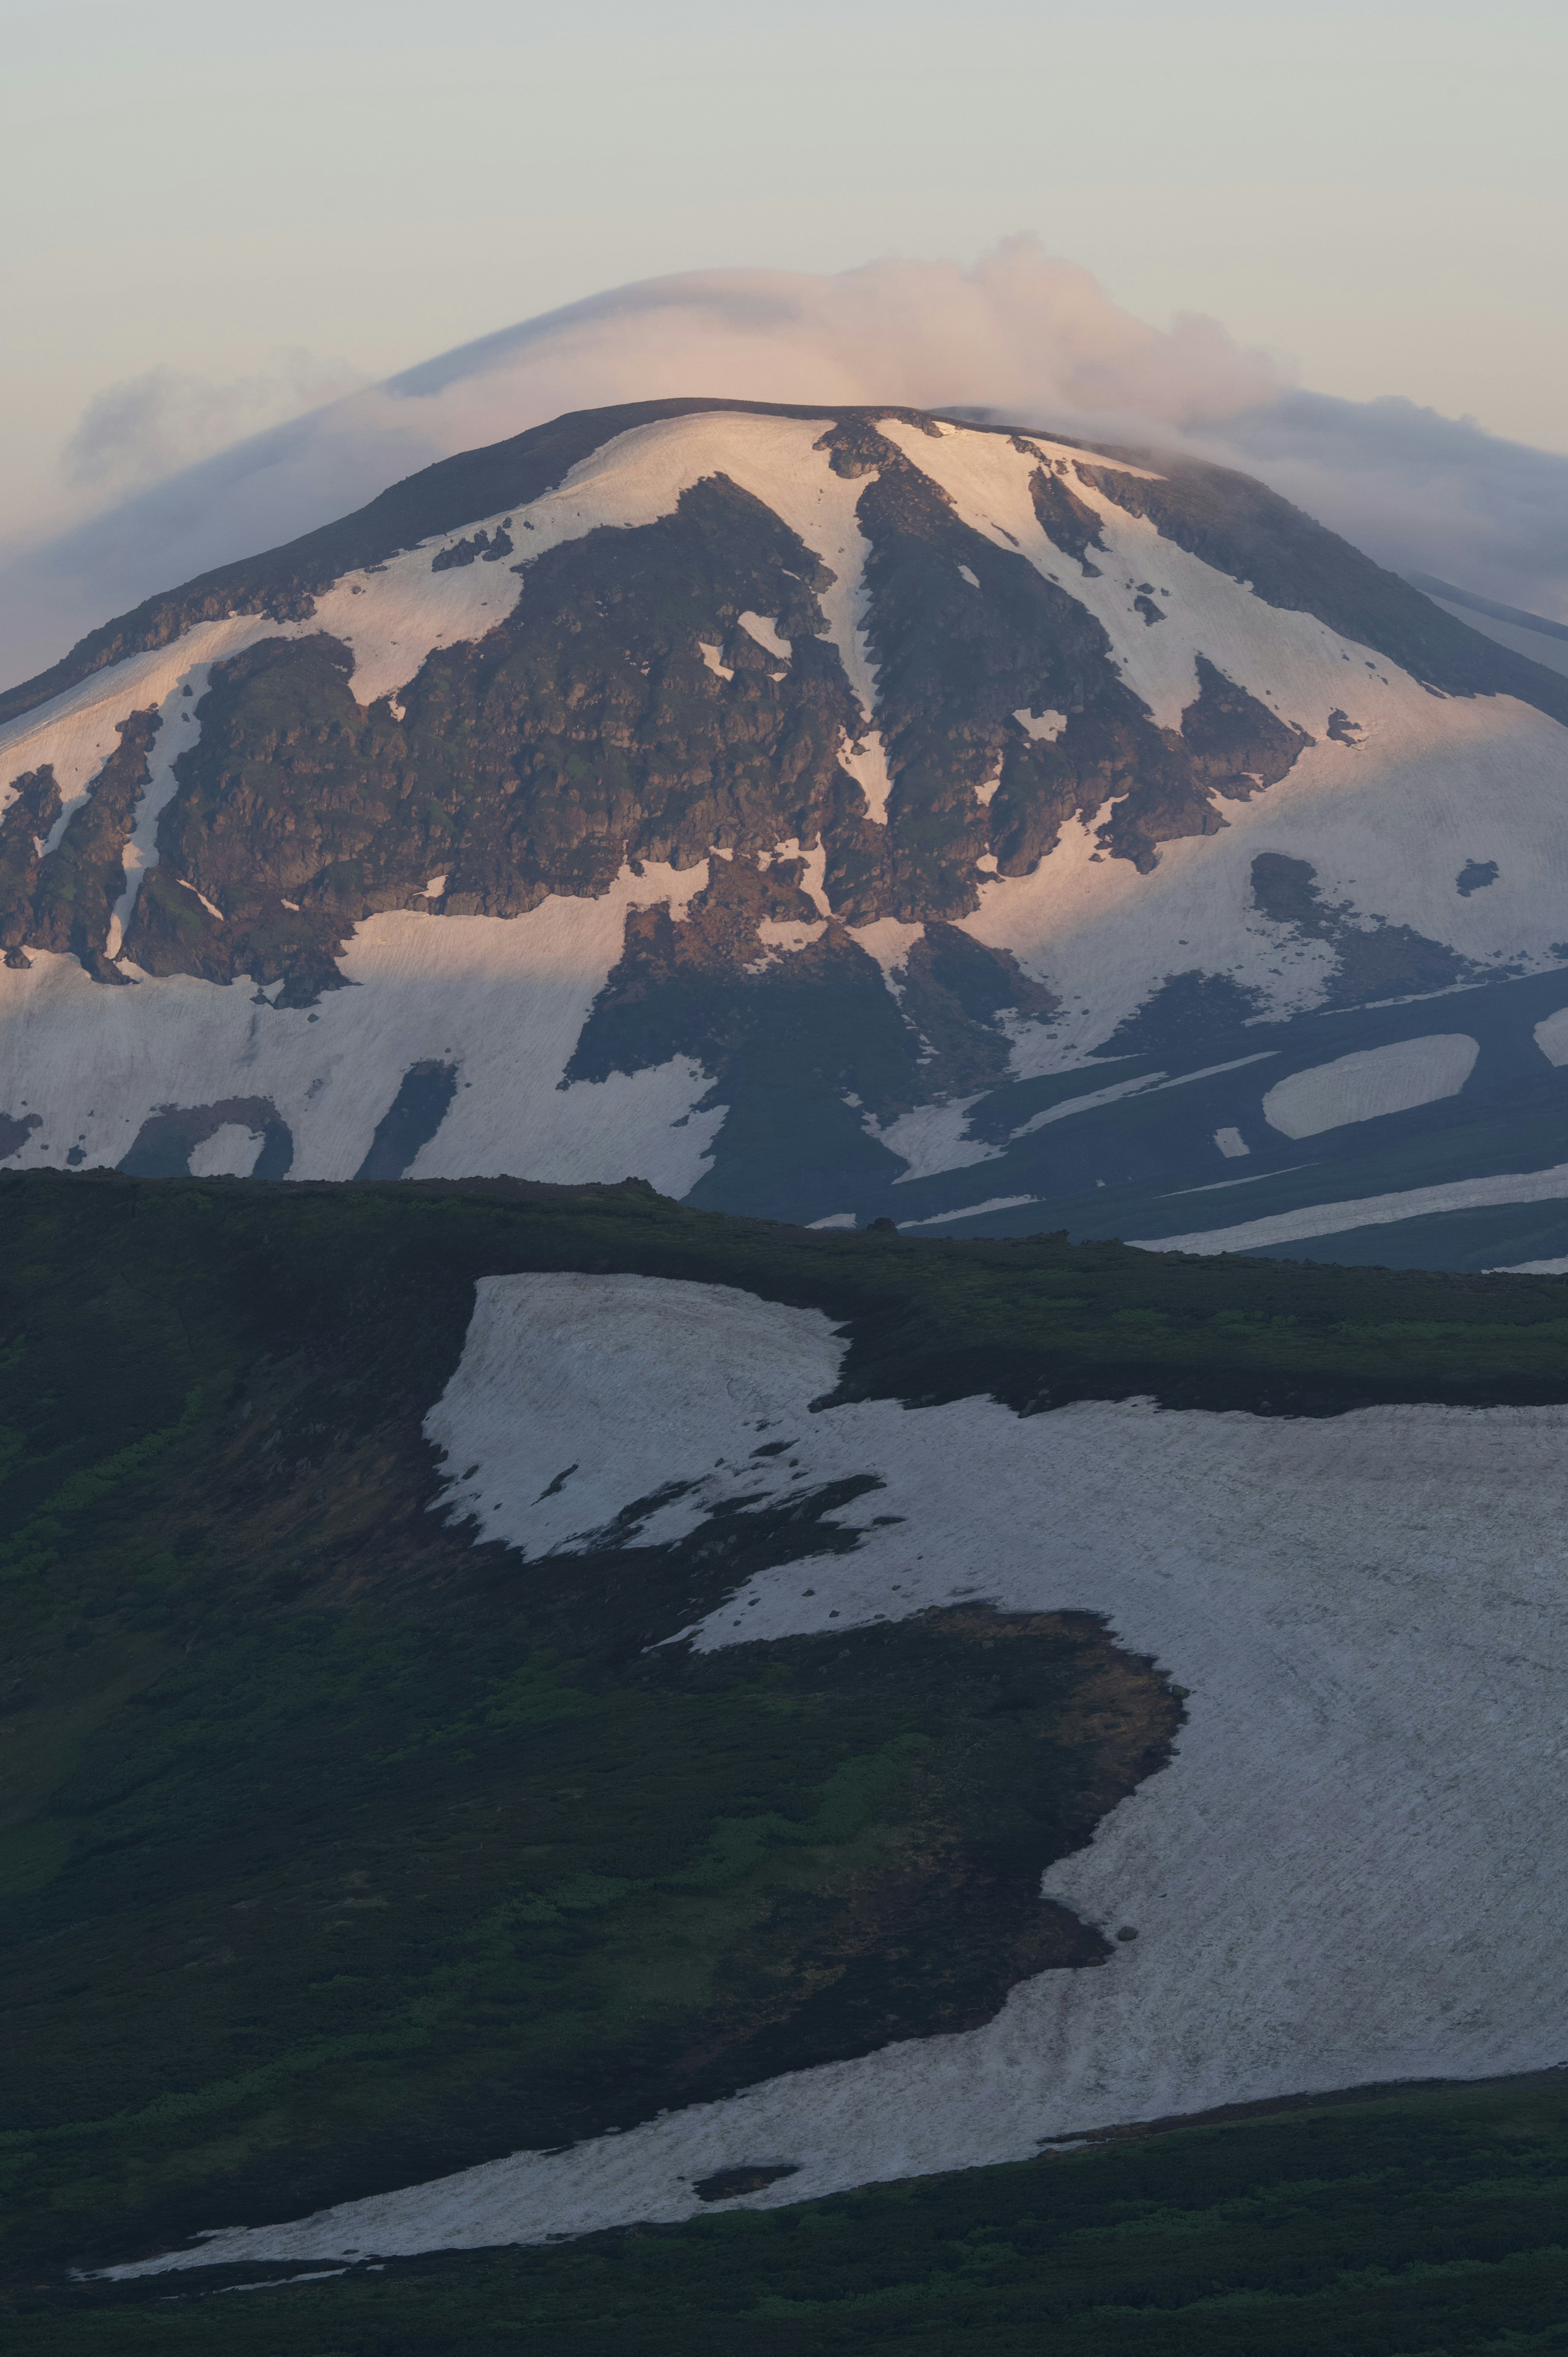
{"points": [[64, 899]]}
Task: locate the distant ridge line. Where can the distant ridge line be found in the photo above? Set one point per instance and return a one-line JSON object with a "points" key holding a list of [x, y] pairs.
{"points": [[1433, 587]]}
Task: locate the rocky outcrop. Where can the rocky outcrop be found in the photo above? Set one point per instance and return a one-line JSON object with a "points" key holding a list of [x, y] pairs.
{"points": [[63, 899]]}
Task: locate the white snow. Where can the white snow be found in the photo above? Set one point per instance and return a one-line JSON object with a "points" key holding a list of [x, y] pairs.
{"points": [[1349, 1871], [764, 628], [544, 1382], [75, 731], [890, 942], [1552, 1037], [229, 1153], [1231, 1143], [867, 765], [1045, 729], [786, 934], [1146, 1084], [834, 1220], [197, 894], [710, 654], [931, 1140], [1070, 1105], [972, 578], [972, 1210], [1373, 1082], [1532, 1268], [503, 998], [1369, 1211]]}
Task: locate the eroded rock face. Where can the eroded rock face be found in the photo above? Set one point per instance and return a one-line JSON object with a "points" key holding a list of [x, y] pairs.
{"points": [[64, 898]]}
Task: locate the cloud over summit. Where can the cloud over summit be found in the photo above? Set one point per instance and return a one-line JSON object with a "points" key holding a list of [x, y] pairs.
{"points": [[1019, 331]]}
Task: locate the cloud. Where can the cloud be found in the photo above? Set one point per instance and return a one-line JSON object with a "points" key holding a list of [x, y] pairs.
{"points": [[151, 425], [1019, 331], [1421, 492]]}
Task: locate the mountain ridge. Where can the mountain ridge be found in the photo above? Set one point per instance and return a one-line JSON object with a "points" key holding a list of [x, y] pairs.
{"points": [[452, 493]]}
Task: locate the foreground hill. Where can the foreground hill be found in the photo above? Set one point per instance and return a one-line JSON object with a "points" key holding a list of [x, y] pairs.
{"points": [[824, 814], [538, 1710]]}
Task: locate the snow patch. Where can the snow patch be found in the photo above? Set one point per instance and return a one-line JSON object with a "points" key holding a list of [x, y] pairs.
{"points": [[1373, 1082], [1045, 729], [212, 907], [867, 765], [789, 935], [1369, 1211], [1552, 1037], [972, 1210], [764, 628], [229, 1153], [1231, 1143], [1071, 1105], [931, 1140], [890, 942], [74, 733]]}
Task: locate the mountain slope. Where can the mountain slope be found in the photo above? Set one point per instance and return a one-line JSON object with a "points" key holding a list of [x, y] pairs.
{"points": [[802, 811], [500, 1669]]}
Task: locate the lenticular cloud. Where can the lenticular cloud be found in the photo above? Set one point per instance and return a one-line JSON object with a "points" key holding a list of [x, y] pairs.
{"points": [[1019, 334]]}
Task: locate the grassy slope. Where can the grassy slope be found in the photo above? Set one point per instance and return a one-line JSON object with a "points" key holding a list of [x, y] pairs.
{"points": [[1421, 2225], [336, 1853]]}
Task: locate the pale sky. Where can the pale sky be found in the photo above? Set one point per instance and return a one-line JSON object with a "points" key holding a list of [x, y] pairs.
{"points": [[1374, 192]]}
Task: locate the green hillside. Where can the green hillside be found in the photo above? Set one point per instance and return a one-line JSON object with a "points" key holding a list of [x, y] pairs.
{"points": [[338, 1851]]}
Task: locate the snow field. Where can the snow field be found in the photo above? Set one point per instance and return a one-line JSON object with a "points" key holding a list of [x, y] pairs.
{"points": [[503, 999], [545, 1382], [1348, 1872], [1374, 1080]]}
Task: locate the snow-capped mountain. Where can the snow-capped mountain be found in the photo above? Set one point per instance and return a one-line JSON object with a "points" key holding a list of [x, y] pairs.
{"points": [[824, 814]]}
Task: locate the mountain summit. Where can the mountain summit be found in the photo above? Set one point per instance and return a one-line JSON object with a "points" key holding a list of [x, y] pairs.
{"points": [[825, 813]]}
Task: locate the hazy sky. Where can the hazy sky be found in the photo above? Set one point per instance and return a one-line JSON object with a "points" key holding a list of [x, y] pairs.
{"points": [[281, 199]]}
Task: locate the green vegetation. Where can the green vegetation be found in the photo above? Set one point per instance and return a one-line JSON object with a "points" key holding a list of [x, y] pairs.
{"points": [[337, 1851], [1424, 2224]]}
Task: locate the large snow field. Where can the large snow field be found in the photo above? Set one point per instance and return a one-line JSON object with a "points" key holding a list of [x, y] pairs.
{"points": [[502, 999], [1350, 1871]]}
